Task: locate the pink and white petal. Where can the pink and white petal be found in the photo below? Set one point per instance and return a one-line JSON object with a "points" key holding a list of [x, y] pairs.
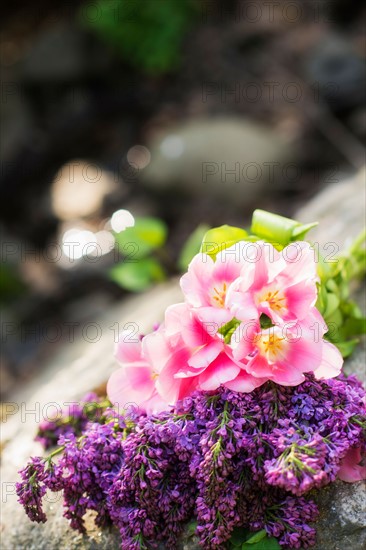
{"points": [[268, 265], [167, 385], [300, 262], [196, 281], [128, 348], [228, 263], [351, 470], [186, 371], [213, 316], [174, 317], [301, 298], [258, 366], [286, 375], [244, 339], [331, 362], [156, 349], [314, 321], [304, 349], [242, 305], [130, 385], [206, 355], [182, 323], [244, 382], [276, 317], [245, 282], [155, 404], [196, 333], [220, 371], [187, 387]]}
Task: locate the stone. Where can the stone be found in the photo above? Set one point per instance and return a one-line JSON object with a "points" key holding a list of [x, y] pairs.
{"points": [[342, 520], [340, 209], [82, 366], [224, 158], [73, 371]]}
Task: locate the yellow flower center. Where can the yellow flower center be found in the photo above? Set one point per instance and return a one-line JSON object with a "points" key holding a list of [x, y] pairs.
{"points": [[272, 346], [275, 299], [219, 295]]}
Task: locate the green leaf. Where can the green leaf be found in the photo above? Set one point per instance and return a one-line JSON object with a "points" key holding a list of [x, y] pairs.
{"points": [[346, 348], [191, 529], [265, 321], [353, 327], [356, 326], [335, 320], [332, 305], [332, 286], [299, 232], [192, 246], [325, 269], [263, 544], [219, 238], [257, 537], [351, 309], [244, 539], [272, 227], [147, 235], [278, 229], [238, 535], [228, 329], [139, 275]]}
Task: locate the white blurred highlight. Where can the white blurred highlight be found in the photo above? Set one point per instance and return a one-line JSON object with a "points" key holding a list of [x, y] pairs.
{"points": [[122, 219], [139, 157], [172, 146]]}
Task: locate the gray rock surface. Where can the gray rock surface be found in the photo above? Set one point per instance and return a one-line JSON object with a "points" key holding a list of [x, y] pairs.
{"points": [[82, 365], [340, 209], [342, 521], [226, 158]]}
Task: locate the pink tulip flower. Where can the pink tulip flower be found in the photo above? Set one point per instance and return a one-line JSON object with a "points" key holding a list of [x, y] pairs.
{"points": [[134, 382], [199, 358], [207, 282], [351, 470], [282, 353], [281, 285]]}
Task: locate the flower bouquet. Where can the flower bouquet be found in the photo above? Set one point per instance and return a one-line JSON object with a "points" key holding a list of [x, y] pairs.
{"points": [[230, 414]]}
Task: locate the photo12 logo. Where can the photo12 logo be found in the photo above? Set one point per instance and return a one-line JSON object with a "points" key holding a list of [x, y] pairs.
{"points": [[267, 11]]}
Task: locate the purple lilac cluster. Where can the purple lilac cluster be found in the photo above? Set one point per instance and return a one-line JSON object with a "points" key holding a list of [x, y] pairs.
{"points": [[223, 458], [72, 420]]}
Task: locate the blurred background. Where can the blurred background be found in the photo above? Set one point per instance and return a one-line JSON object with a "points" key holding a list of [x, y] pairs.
{"points": [[129, 127]]}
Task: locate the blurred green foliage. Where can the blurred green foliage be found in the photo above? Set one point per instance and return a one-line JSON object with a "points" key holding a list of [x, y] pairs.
{"points": [[145, 258], [11, 286], [139, 269], [342, 316], [192, 246], [146, 33], [219, 238], [148, 234], [138, 276]]}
